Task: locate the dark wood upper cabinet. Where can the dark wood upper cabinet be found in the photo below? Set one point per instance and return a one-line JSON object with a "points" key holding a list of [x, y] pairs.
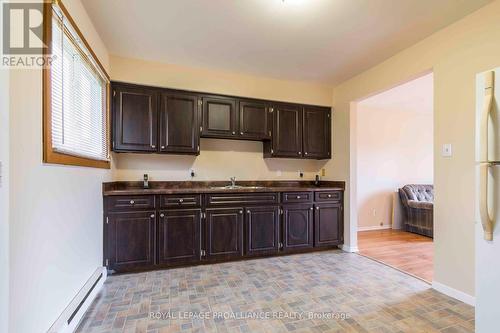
{"points": [[262, 225], [135, 120], [179, 128], [130, 240], [316, 131], [179, 236], [254, 120], [287, 132], [224, 233], [219, 117], [298, 227], [327, 224], [149, 119]]}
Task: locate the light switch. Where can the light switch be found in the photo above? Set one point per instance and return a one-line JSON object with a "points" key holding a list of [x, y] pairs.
{"points": [[446, 152]]}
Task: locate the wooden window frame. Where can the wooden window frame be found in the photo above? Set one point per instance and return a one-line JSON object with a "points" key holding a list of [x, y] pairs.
{"points": [[49, 154]]}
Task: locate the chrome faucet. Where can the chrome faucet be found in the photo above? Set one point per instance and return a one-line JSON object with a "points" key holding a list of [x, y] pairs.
{"points": [[233, 181]]}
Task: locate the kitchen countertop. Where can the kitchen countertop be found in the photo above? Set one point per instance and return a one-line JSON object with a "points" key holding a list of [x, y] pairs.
{"points": [[185, 187]]}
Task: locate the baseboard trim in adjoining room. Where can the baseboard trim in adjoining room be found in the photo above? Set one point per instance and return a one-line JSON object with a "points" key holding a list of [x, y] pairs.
{"points": [[375, 227], [454, 293], [72, 315], [347, 248]]}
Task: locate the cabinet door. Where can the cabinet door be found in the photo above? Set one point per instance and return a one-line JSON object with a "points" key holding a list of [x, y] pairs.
{"points": [[317, 133], [262, 230], [254, 120], [224, 233], [135, 119], [287, 133], [219, 117], [179, 129], [179, 236], [298, 227], [327, 224], [130, 240]]}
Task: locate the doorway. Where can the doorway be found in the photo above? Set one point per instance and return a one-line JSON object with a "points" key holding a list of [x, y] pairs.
{"points": [[394, 176]]}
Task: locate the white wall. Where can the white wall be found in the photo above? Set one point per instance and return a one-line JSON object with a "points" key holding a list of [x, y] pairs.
{"points": [[4, 199], [56, 211], [394, 147]]}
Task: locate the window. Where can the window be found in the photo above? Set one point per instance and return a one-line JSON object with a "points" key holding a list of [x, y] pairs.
{"points": [[76, 89]]}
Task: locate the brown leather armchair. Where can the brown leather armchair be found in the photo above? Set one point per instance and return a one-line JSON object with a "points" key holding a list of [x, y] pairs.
{"points": [[418, 203]]}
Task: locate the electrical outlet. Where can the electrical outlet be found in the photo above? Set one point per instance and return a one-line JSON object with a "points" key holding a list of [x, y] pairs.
{"points": [[323, 172]]}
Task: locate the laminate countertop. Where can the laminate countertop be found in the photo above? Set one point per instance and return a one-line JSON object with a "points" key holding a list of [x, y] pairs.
{"points": [[185, 187]]}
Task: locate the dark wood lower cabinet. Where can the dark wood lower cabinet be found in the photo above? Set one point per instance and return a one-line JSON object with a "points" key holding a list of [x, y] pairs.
{"points": [[224, 233], [262, 230], [297, 227], [130, 240], [179, 236], [143, 232], [327, 224]]}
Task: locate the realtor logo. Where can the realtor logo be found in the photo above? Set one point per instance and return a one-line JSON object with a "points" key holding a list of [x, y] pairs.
{"points": [[22, 35]]}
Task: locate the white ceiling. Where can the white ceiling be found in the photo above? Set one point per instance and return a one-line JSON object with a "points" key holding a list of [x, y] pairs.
{"points": [[312, 40]]}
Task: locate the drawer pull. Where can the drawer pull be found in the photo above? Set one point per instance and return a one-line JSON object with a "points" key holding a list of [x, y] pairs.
{"points": [[181, 200], [152, 215], [241, 212], [311, 208], [298, 197], [132, 202], [329, 195], [162, 215], [317, 208], [248, 212]]}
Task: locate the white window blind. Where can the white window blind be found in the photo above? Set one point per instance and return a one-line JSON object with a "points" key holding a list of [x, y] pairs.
{"points": [[78, 95]]}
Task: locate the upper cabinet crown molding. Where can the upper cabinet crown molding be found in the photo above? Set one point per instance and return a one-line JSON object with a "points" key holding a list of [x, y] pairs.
{"points": [[169, 121]]}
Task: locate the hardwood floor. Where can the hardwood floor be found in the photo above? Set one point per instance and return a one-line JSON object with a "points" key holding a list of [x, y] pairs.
{"points": [[403, 250]]}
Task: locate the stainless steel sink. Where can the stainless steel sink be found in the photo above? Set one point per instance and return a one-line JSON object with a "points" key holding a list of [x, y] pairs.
{"points": [[236, 187]]}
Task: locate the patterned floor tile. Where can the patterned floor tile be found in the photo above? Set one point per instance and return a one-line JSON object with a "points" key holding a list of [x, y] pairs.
{"points": [[329, 291]]}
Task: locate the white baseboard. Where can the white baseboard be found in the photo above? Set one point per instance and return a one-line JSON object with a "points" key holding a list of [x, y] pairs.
{"points": [[375, 227], [80, 303], [348, 248], [452, 292]]}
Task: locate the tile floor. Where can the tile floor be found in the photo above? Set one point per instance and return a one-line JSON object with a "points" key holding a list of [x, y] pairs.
{"points": [[329, 291]]}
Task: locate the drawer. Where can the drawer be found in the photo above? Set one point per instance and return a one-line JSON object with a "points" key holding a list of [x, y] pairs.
{"points": [[327, 196], [295, 197], [215, 199], [181, 200], [131, 202]]}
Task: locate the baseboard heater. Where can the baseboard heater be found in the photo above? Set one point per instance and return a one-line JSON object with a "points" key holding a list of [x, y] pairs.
{"points": [[72, 315]]}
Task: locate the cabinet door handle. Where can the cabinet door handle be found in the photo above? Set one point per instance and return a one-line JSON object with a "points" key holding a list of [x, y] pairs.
{"points": [[152, 215], [132, 202], [234, 133], [248, 212], [241, 133], [300, 153], [311, 208], [181, 200], [305, 153], [162, 215], [153, 146], [241, 212], [317, 208], [162, 147]]}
